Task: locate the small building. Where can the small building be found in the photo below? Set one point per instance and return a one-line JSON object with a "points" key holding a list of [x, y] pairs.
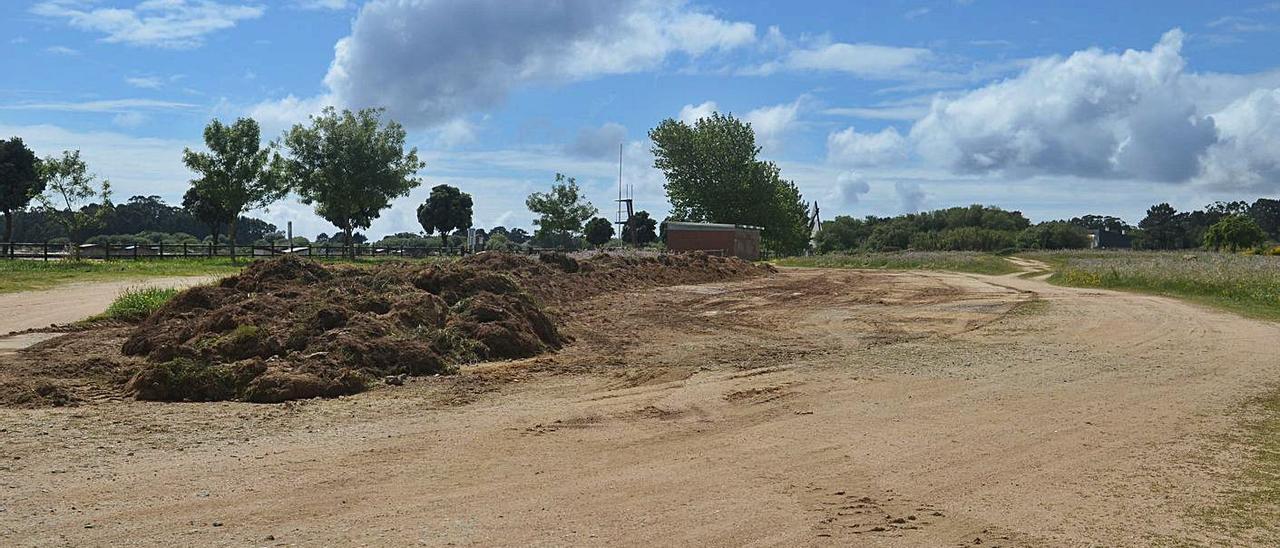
{"points": [[1105, 239], [740, 241]]}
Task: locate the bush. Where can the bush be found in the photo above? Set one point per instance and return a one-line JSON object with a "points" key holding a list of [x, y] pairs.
{"points": [[135, 304]]}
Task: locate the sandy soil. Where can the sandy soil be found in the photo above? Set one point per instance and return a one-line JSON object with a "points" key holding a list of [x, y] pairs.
{"points": [[74, 302], [814, 407]]}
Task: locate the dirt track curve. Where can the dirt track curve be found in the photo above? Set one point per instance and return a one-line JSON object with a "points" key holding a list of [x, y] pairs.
{"points": [[814, 407]]}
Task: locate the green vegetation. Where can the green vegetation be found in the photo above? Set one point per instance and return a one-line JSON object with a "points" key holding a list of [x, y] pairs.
{"points": [[956, 261], [561, 213], [446, 209], [1247, 284], [28, 275], [973, 228], [237, 173], [136, 303], [713, 175]]}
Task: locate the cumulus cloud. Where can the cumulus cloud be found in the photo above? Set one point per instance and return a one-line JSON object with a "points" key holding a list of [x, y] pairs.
{"points": [[690, 114], [1093, 114], [772, 123], [601, 142], [1248, 155], [161, 23], [430, 61], [911, 198], [849, 188], [851, 148]]}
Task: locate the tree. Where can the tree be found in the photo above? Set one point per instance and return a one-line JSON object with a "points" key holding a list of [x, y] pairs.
{"points": [[518, 236], [446, 209], [238, 173], [206, 211], [69, 185], [1161, 229], [1054, 235], [598, 231], [1266, 213], [561, 211], [20, 181], [350, 166], [713, 175], [640, 229], [1234, 232], [1102, 222]]}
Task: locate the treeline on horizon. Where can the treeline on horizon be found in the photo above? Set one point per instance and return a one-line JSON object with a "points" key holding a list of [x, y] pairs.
{"points": [[1232, 225]]}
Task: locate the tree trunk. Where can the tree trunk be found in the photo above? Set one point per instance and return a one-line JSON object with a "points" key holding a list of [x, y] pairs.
{"points": [[351, 246], [8, 226], [231, 237], [444, 241]]}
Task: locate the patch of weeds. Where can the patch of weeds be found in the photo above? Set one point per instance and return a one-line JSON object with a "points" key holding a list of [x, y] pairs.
{"points": [[456, 347], [1032, 307], [183, 379], [137, 303]]}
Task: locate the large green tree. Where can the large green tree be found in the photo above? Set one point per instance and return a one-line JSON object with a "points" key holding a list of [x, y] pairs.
{"points": [[446, 209], [1234, 232], [20, 180], [561, 211], [598, 231], [350, 166], [206, 211], [238, 173], [1161, 228], [713, 175], [1266, 212], [69, 188]]}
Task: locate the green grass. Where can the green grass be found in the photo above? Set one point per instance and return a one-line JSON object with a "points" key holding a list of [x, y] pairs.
{"points": [[1245, 284], [955, 261], [135, 304], [24, 275]]}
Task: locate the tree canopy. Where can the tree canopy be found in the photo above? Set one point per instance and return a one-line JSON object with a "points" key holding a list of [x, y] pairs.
{"points": [[713, 175], [640, 229], [350, 166], [69, 188], [20, 180], [237, 174], [1234, 232], [445, 210], [561, 211], [598, 231]]}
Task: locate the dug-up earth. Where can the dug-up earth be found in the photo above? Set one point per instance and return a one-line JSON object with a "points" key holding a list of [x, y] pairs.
{"points": [[804, 407]]}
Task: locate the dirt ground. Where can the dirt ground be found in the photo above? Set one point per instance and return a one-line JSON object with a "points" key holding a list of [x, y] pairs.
{"points": [[811, 407], [73, 302]]}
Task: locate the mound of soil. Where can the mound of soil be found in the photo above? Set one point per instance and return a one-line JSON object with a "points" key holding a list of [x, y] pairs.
{"points": [[291, 328]]}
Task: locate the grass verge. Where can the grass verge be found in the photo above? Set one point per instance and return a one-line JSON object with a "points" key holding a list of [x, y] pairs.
{"points": [[1245, 284], [23, 275], [955, 261], [1251, 508]]}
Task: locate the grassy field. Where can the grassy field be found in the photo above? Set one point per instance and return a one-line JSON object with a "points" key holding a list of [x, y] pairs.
{"points": [[956, 261], [1247, 284], [20, 275]]}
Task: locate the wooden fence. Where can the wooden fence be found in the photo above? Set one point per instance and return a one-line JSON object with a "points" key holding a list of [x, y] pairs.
{"points": [[53, 251]]}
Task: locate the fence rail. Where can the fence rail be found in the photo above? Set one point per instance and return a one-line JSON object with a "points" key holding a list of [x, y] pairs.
{"points": [[53, 251]]}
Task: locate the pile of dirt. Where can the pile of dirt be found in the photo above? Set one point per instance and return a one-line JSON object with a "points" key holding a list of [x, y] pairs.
{"points": [[291, 328]]}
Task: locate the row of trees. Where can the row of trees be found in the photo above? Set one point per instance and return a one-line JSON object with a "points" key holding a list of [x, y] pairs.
{"points": [[973, 228], [1246, 225]]}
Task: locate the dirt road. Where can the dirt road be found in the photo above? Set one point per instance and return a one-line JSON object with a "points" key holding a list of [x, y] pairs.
{"points": [[74, 302], [809, 408]]}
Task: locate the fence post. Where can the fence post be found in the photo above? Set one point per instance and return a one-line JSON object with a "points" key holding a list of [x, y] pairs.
{"points": [[161, 249], [135, 250], [184, 250], [107, 253], [46, 251]]}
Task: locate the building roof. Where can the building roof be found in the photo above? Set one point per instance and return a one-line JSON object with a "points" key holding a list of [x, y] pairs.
{"points": [[707, 227]]}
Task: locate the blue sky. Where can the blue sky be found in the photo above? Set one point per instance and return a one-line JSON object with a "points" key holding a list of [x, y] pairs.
{"points": [[1052, 108]]}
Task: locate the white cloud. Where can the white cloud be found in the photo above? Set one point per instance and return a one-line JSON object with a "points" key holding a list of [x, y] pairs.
{"points": [[430, 62], [850, 148], [62, 50], [771, 124], [322, 4], [911, 198], [146, 82], [110, 105], [276, 116], [863, 60], [916, 13], [1248, 155], [160, 23], [601, 142], [849, 187], [131, 119], [690, 114], [1093, 114]]}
